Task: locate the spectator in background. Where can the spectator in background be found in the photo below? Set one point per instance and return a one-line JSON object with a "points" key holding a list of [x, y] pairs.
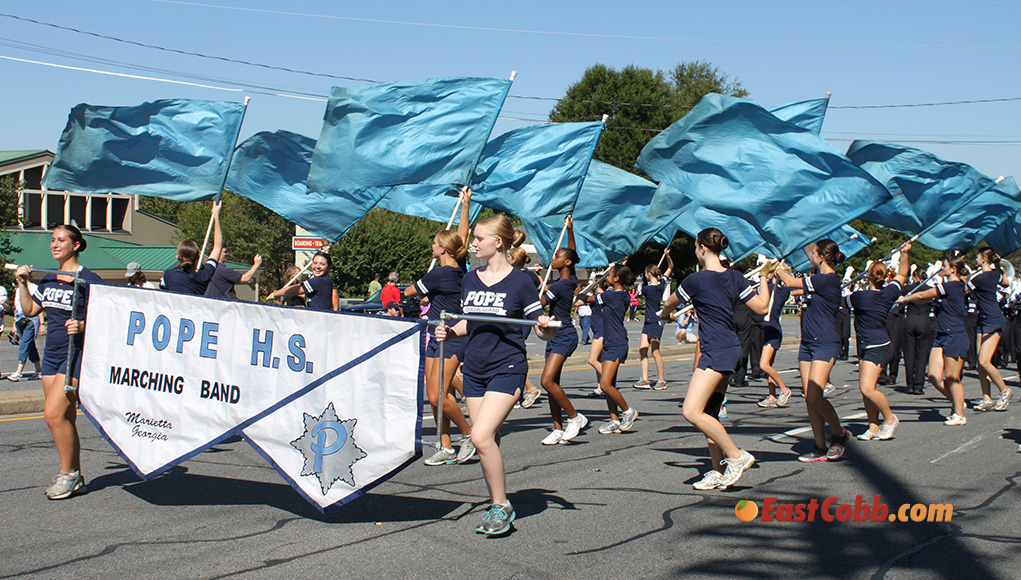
{"points": [[136, 277], [375, 286], [393, 309], [224, 278], [391, 293], [632, 304], [27, 329], [585, 321]]}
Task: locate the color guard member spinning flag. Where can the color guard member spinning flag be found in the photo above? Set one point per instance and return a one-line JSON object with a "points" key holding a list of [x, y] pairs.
{"points": [[714, 291]]}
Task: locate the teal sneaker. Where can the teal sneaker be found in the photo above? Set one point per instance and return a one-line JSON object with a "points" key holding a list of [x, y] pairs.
{"points": [[496, 521]]}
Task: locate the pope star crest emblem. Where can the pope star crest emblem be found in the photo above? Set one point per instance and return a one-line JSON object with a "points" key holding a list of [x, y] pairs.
{"points": [[329, 448]]}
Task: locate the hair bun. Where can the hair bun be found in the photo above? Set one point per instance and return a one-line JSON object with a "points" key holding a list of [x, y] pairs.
{"points": [[518, 239]]}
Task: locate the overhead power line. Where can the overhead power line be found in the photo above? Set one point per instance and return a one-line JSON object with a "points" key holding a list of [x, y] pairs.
{"points": [[520, 97], [580, 34]]}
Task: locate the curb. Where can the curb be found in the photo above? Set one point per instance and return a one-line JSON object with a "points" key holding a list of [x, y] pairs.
{"points": [[18, 402]]}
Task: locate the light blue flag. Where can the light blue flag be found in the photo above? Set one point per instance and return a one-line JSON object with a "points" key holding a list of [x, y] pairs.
{"points": [[806, 114], [544, 237], [925, 188], [537, 171], [613, 210], [850, 241], [176, 148], [691, 218], [966, 227], [405, 133], [736, 158], [432, 202], [1006, 237], [271, 169]]}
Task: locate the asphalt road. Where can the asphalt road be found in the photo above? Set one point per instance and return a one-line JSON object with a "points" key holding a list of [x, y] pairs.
{"points": [[605, 506]]}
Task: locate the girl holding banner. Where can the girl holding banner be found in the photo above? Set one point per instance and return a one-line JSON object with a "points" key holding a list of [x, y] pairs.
{"points": [[820, 345], [875, 348], [442, 286], [652, 329], [560, 299], [317, 291], [714, 291], [991, 323], [185, 277], [495, 361], [950, 345], [64, 303]]}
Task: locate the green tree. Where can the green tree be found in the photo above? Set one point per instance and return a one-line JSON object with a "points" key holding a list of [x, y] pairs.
{"points": [[10, 194], [161, 207], [382, 242], [248, 229]]}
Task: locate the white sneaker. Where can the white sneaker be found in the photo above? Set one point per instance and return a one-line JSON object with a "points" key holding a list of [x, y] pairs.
{"points": [[627, 419], [710, 480], [573, 427], [1003, 400], [829, 388], [868, 435], [769, 402], [735, 467], [886, 429], [610, 427], [14, 377], [554, 437], [956, 419]]}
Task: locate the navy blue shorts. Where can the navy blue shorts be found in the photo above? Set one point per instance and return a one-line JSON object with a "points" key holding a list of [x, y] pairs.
{"points": [[614, 353], [818, 351], [451, 348], [724, 360], [597, 334], [564, 342], [55, 363], [654, 330], [953, 345], [991, 327], [880, 355], [503, 383], [772, 337]]}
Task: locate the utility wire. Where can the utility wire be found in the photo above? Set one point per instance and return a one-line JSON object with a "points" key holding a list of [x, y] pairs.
{"points": [[521, 97], [582, 34]]}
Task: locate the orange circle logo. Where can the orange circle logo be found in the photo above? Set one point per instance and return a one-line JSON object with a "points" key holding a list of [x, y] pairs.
{"points": [[746, 510]]}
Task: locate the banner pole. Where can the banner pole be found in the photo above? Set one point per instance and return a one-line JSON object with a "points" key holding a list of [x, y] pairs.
{"points": [[68, 388], [230, 158], [442, 392]]}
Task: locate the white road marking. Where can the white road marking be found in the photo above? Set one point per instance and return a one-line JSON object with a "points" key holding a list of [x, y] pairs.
{"points": [[961, 448], [801, 430]]}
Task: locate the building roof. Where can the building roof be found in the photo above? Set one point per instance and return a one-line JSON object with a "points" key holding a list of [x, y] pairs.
{"points": [[21, 155], [100, 253]]}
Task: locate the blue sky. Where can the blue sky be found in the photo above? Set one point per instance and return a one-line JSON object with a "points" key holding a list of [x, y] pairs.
{"points": [[866, 52]]}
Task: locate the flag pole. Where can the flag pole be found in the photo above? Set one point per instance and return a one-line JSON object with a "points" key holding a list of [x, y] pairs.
{"points": [[450, 222], [230, 157], [549, 270]]}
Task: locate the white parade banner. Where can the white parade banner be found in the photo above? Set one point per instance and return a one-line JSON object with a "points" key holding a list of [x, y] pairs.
{"points": [[332, 400]]}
